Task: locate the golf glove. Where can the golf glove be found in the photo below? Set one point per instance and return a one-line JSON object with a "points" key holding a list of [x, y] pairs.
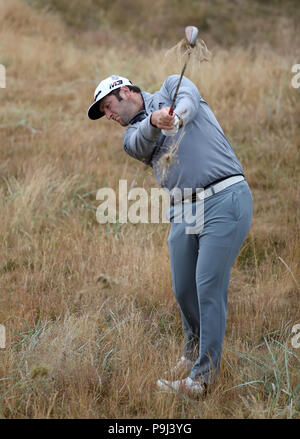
{"points": [[174, 130]]}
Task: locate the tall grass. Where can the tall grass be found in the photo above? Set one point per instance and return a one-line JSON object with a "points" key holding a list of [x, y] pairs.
{"points": [[90, 317]]}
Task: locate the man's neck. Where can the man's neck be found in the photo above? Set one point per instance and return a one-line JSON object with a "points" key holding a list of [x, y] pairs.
{"points": [[138, 100]]}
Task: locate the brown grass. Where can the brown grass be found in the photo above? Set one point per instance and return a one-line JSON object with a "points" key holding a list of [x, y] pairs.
{"points": [[90, 316]]}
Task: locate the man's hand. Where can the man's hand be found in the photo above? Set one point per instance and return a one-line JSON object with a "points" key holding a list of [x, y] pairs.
{"points": [[175, 128], [169, 124], [162, 119]]}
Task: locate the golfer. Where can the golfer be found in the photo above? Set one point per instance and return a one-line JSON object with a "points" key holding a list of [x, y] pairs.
{"points": [[201, 262]]}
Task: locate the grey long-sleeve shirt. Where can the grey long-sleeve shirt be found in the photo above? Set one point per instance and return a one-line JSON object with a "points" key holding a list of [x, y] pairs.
{"points": [[204, 154]]}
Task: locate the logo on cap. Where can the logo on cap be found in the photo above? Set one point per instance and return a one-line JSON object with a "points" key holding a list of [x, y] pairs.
{"points": [[115, 84]]}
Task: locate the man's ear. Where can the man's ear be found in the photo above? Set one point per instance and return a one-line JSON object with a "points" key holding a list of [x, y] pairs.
{"points": [[124, 92]]}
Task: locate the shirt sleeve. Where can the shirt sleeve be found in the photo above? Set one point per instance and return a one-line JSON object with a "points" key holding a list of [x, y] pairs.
{"points": [[188, 97], [140, 140]]}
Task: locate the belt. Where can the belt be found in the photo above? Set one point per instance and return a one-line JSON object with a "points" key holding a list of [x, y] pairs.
{"points": [[212, 190]]}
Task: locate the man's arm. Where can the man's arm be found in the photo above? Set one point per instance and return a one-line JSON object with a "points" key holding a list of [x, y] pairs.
{"points": [[140, 140], [188, 98]]}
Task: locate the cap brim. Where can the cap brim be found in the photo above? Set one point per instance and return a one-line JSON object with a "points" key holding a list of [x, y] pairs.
{"points": [[94, 112]]}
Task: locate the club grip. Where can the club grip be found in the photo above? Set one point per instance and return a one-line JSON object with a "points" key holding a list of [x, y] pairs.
{"points": [[171, 111]]}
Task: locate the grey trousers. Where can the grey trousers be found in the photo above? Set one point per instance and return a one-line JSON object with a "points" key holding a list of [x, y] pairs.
{"points": [[201, 264]]}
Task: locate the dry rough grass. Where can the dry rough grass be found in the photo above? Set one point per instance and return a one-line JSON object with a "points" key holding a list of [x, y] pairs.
{"points": [[90, 317]]}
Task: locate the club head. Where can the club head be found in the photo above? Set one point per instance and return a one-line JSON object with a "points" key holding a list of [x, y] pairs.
{"points": [[191, 33]]}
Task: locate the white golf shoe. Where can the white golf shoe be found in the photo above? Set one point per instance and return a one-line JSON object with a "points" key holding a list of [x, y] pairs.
{"points": [[186, 385], [184, 365]]}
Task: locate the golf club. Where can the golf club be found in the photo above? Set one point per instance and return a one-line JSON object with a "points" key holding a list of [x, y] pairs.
{"points": [[191, 33]]}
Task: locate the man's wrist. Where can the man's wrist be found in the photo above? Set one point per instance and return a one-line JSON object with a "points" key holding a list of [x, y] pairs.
{"points": [[151, 121]]}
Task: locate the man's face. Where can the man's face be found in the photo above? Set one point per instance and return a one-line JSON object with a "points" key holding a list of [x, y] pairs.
{"points": [[119, 111]]}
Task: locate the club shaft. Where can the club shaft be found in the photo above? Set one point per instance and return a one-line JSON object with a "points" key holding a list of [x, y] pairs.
{"points": [[171, 111]]}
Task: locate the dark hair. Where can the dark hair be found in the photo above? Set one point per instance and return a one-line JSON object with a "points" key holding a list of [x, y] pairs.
{"points": [[116, 92]]}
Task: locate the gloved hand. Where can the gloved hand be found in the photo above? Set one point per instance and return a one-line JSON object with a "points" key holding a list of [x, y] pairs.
{"points": [[175, 129]]}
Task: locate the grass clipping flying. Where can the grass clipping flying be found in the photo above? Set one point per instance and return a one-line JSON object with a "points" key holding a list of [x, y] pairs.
{"points": [[197, 54]]}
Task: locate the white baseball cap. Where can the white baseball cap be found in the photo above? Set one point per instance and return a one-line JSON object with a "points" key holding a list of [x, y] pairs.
{"points": [[103, 89]]}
